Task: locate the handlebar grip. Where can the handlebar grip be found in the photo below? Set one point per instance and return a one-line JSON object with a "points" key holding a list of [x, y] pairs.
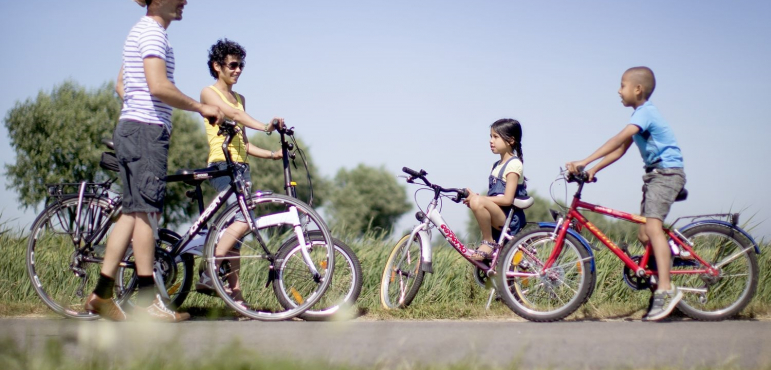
{"points": [[463, 193], [410, 172]]}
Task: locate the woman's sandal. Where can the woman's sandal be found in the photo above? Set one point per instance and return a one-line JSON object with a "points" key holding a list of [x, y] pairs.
{"points": [[480, 255]]}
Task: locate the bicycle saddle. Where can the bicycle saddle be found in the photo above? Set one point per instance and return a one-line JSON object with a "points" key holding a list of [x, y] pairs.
{"points": [[523, 203], [193, 177], [108, 142], [682, 195]]}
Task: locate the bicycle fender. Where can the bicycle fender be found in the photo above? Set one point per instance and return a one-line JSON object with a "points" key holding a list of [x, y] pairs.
{"points": [[576, 235], [723, 223], [425, 251]]}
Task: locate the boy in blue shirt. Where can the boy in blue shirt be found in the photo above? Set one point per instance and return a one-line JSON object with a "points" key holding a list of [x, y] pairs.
{"points": [[663, 180]]}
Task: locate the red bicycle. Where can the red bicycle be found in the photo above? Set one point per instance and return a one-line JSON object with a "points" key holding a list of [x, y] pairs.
{"points": [[546, 273]]}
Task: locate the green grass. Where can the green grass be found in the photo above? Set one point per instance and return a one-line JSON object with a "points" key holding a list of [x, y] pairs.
{"points": [[449, 293]]}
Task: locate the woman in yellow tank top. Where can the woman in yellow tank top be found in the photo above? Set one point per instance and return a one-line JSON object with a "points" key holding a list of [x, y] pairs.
{"points": [[226, 63]]}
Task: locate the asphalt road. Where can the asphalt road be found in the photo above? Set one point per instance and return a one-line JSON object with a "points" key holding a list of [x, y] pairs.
{"points": [[573, 345]]}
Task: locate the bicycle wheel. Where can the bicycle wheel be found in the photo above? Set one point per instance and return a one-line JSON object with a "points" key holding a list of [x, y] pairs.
{"points": [[544, 294], [177, 272], [292, 272], [279, 219], [402, 275], [709, 297], [62, 272]]}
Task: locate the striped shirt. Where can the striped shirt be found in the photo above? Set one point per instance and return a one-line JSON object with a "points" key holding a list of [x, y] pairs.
{"points": [[146, 39]]}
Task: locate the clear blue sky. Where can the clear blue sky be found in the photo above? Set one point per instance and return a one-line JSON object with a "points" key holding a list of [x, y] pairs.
{"points": [[417, 83]]}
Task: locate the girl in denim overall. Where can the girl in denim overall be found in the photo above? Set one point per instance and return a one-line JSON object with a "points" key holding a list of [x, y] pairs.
{"points": [[506, 183]]}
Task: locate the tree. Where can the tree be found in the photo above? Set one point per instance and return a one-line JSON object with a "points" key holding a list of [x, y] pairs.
{"points": [[57, 138], [366, 198]]}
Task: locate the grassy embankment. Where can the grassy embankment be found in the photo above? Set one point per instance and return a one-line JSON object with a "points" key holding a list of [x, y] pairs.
{"points": [[449, 293]]}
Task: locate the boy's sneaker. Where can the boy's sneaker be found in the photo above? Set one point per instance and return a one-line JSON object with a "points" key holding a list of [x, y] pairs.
{"points": [[663, 302], [205, 284], [105, 307], [159, 312]]}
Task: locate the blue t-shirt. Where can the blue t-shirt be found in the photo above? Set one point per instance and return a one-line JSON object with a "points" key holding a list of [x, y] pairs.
{"points": [[655, 140]]}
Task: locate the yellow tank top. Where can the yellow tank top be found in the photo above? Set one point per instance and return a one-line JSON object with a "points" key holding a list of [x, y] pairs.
{"points": [[237, 148]]}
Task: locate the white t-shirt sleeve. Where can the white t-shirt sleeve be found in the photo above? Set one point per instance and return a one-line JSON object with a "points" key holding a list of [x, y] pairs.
{"points": [[514, 166], [152, 43]]}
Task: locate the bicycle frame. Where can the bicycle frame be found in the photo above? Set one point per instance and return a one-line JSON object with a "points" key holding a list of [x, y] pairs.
{"points": [[563, 225]]}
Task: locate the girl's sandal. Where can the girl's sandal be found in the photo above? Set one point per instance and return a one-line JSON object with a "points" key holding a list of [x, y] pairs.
{"points": [[484, 252]]}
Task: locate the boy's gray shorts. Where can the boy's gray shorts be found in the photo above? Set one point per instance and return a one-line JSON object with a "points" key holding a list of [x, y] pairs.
{"points": [[142, 150], [660, 188]]}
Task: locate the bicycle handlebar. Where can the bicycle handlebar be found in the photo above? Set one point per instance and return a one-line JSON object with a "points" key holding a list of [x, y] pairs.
{"points": [[460, 193], [581, 177]]}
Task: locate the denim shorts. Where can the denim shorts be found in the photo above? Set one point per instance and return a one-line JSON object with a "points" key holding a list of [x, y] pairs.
{"points": [[142, 150], [222, 183], [660, 188]]}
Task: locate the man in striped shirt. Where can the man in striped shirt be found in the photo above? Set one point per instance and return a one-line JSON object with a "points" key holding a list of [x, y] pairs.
{"points": [[141, 138]]}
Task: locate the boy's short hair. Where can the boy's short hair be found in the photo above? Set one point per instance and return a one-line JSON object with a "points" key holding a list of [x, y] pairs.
{"points": [[220, 51], [645, 77]]}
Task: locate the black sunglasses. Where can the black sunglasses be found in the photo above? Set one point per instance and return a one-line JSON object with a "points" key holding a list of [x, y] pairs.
{"points": [[233, 65]]}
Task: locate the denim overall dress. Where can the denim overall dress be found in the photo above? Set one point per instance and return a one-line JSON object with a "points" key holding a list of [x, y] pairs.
{"points": [[497, 186]]}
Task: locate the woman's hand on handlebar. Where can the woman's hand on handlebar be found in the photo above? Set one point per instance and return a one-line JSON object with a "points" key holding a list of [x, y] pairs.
{"points": [[275, 124]]}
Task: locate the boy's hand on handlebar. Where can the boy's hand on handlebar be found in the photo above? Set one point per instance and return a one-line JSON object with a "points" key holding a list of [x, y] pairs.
{"points": [[212, 113], [575, 167]]}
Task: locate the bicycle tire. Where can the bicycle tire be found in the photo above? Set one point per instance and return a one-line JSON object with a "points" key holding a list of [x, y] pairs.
{"points": [[729, 293], [404, 263], [339, 299], [52, 257], [256, 269], [177, 272], [549, 295]]}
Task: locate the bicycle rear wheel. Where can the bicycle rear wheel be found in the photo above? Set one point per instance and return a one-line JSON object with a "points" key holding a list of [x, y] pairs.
{"points": [[279, 219], [341, 295], [402, 276], [60, 270], [539, 294], [708, 297], [177, 272]]}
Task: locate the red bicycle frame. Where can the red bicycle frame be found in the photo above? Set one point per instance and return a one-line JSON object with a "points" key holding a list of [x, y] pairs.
{"points": [[573, 214]]}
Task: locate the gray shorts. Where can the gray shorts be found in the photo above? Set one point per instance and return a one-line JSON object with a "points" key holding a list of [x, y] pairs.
{"points": [[142, 150], [660, 188]]}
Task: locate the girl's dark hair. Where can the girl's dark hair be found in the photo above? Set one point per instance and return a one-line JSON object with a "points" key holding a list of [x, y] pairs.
{"points": [[220, 51], [510, 131]]}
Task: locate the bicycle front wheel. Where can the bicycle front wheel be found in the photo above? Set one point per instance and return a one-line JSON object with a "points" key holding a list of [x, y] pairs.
{"points": [[402, 275], [244, 275], [293, 276], [716, 297], [535, 292], [63, 272]]}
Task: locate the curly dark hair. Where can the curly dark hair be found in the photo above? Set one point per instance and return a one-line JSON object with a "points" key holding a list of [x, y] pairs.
{"points": [[220, 51]]}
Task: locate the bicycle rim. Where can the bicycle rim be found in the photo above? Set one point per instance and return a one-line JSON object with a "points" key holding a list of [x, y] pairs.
{"points": [[338, 300], [402, 275], [708, 297], [58, 273], [253, 270], [544, 294]]}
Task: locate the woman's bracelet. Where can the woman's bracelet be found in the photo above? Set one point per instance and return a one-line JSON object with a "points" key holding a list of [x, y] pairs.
{"points": [[272, 155]]}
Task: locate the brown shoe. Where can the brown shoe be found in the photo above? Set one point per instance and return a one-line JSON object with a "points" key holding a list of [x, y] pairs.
{"points": [[106, 308], [159, 312]]}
